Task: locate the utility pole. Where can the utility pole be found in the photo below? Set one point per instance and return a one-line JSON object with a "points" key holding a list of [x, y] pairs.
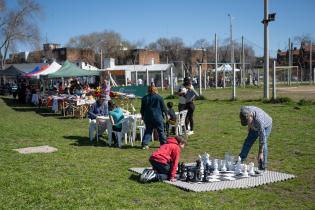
{"points": [[216, 60], [234, 83], [243, 63], [311, 60], [102, 59], [200, 91], [266, 51], [231, 40], [274, 80], [290, 63], [267, 18]]}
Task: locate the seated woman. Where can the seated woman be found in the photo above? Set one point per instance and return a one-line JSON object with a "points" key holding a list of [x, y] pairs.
{"points": [[99, 108], [116, 115]]}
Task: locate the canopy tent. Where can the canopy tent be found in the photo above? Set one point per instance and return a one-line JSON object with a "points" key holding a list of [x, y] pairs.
{"points": [[226, 68], [36, 71], [69, 69], [52, 68], [11, 71]]}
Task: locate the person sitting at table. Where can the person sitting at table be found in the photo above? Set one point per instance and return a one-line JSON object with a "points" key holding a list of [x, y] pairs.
{"points": [[99, 108], [116, 115]]}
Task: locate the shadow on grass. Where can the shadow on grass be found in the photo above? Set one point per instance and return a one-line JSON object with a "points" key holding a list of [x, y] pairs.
{"points": [[135, 177], [43, 111], [85, 141]]}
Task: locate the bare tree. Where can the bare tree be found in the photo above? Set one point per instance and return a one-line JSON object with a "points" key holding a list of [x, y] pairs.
{"points": [[170, 49], [19, 26], [110, 42]]}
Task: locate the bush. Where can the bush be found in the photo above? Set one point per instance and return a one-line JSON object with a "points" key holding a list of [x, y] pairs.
{"points": [[280, 100], [304, 102], [171, 97], [201, 97]]}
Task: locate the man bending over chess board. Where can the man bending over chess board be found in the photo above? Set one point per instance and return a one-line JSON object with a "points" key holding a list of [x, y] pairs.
{"points": [[259, 125]]}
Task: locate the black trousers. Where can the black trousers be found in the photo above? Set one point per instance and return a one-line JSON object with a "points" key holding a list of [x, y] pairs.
{"points": [[190, 115], [162, 170]]}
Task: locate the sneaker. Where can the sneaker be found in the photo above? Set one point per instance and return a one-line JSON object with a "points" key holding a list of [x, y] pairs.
{"points": [[142, 176], [145, 147], [148, 175], [190, 133]]}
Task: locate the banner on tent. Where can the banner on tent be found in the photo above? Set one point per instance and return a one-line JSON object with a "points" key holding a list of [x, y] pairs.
{"points": [[140, 90]]}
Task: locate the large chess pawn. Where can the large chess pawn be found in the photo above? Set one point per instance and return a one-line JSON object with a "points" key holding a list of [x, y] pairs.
{"points": [[245, 173], [251, 169], [224, 169], [215, 165]]}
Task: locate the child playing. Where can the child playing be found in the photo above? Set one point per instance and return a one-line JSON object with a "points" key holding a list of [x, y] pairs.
{"points": [[171, 116], [164, 161]]}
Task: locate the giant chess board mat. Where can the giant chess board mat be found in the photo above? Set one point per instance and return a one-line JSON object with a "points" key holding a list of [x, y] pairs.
{"points": [[228, 181]]}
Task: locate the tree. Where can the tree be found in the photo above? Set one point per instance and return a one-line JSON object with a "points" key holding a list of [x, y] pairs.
{"points": [[170, 49], [110, 42], [18, 26]]}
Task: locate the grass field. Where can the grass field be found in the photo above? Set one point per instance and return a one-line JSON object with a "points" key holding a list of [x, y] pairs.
{"points": [[84, 176]]}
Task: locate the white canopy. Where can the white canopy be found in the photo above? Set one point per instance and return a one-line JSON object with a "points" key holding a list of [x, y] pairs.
{"points": [[226, 68], [53, 67]]}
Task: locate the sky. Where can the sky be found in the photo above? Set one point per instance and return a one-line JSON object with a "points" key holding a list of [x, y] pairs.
{"points": [[148, 20]]}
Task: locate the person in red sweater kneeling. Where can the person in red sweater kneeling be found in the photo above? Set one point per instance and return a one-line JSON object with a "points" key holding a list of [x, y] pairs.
{"points": [[164, 161]]}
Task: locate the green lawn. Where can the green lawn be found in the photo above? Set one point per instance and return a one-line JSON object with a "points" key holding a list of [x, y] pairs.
{"points": [[84, 176]]}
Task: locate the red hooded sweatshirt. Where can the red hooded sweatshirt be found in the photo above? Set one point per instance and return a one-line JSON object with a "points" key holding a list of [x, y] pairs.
{"points": [[168, 154]]}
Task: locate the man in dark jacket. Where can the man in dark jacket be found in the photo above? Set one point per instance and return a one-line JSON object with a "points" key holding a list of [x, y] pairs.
{"points": [[99, 108], [153, 110]]}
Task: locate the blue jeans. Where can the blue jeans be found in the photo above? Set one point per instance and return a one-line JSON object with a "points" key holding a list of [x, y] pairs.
{"points": [[149, 126], [250, 140], [162, 170]]}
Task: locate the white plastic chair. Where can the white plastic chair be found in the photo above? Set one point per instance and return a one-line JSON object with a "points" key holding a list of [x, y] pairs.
{"points": [[180, 123], [125, 131]]}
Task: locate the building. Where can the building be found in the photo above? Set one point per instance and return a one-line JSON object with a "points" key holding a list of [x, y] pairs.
{"points": [[53, 52], [159, 74], [138, 56], [300, 58]]}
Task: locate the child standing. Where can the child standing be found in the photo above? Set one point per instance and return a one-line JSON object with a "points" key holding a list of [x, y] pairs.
{"points": [[164, 161], [171, 116]]}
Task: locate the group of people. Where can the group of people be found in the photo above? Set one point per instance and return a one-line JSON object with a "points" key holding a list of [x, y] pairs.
{"points": [[154, 114], [165, 159]]}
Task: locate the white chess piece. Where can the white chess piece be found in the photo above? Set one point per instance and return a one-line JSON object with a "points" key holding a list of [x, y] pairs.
{"points": [[251, 169], [224, 169], [238, 167], [215, 165], [208, 162], [245, 173], [227, 156]]}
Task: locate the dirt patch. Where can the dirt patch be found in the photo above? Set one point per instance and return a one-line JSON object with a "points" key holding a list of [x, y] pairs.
{"points": [[40, 149]]}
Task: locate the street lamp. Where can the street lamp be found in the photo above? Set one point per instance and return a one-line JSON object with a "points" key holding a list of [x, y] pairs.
{"points": [[267, 18]]}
